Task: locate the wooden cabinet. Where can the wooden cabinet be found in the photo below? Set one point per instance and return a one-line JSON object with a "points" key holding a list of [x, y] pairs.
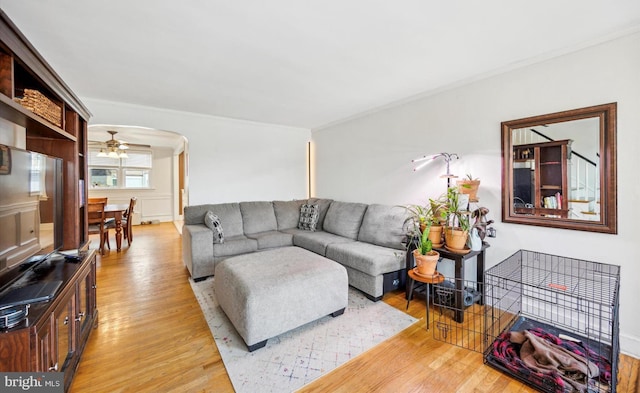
{"points": [[57, 127], [55, 333], [541, 178], [34, 97]]}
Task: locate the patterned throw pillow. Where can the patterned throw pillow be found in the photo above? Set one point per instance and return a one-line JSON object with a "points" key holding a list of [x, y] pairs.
{"points": [[212, 221], [308, 217]]}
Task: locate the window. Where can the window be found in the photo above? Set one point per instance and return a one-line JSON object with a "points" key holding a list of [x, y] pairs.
{"points": [[37, 175], [134, 171]]}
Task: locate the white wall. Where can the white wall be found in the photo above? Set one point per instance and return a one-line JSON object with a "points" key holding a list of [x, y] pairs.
{"points": [[228, 160], [368, 159], [156, 203]]}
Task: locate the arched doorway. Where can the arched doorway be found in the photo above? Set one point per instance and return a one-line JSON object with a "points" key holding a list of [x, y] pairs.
{"points": [[154, 168]]}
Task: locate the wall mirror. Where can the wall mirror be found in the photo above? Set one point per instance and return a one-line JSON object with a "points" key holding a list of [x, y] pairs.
{"points": [[559, 170]]}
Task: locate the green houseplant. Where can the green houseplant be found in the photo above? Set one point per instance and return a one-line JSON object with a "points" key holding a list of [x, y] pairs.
{"points": [[457, 230], [419, 215], [429, 218], [469, 186], [425, 256]]}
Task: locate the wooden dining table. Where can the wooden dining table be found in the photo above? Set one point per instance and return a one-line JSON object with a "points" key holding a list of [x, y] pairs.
{"points": [[116, 211]]}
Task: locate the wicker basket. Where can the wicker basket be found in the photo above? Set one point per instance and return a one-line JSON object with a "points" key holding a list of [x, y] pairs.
{"points": [[39, 104]]}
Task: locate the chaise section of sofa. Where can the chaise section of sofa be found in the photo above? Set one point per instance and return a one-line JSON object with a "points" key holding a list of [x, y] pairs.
{"points": [[378, 252]]}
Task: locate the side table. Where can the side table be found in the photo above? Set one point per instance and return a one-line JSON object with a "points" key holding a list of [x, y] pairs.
{"points": [[459, 260], [437, 278]]}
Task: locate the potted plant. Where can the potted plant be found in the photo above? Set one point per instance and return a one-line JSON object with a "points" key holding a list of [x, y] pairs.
{"points": [[437, 218], [469, 186], [419, 215], [425, 256], [457, 230], [429, 218]]}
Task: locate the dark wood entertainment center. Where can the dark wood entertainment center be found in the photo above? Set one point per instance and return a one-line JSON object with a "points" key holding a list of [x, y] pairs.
{"points": [[54, 334]]}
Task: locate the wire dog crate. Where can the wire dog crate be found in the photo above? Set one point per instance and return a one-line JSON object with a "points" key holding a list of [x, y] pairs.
{"points": [[552, 322], [469, 333]]}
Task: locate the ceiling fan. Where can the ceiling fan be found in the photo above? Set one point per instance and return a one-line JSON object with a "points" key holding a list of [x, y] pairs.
{"points": [[115, 148]]}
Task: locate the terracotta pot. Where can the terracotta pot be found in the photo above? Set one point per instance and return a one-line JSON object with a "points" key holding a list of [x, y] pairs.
{"points": [[469, 187], [426, 263], [455, 238], [435, 234]]}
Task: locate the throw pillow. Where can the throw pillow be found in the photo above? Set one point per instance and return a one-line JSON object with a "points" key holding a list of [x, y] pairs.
{"points": [[213, 222], [308, 217]]}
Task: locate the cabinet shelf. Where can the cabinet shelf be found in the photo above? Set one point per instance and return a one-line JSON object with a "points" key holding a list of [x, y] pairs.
{"points": [[36, 125]]}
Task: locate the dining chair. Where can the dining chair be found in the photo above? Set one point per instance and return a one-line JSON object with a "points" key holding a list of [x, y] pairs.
{"points": [[127, 220], [109, 223], [96, 221]]}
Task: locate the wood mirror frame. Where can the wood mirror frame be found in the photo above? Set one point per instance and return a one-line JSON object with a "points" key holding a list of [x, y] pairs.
{"points": [[538, 215]]}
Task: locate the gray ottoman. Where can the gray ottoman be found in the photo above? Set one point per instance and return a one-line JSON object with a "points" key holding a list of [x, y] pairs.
{"points": [[267, 293]]}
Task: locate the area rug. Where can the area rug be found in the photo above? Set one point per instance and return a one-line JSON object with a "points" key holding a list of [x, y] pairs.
{"points": [[295, 358]]}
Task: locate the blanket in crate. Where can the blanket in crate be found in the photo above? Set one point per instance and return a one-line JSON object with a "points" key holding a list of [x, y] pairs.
{"points": [[548, 361]]}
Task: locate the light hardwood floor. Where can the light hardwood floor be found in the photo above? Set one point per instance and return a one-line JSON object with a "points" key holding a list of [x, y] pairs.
{"points": [[152, 337]]}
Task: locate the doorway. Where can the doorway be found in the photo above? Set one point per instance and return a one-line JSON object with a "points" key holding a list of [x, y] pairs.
{"points": [[163, 197]]}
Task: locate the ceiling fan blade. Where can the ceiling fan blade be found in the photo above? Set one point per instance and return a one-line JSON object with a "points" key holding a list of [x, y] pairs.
{"points": [[138, 145], [117, 143]]}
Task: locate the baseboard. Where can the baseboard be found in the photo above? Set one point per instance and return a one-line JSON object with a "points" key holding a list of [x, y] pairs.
{"points": [[630, 345]]}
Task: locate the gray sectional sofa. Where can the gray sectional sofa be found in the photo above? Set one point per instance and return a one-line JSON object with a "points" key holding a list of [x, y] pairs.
{"points": [[366, 239]]}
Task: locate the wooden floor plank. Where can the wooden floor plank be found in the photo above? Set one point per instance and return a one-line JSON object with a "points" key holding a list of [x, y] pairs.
{"points": [[152, 337]]}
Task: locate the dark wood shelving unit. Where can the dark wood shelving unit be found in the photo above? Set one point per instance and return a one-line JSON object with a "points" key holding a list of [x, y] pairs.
{"points": [[22, 67], [550, 161], [54, 334]]}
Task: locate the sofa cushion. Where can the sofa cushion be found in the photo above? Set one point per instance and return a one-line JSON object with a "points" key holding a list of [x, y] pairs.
{"points": [[308, 217], [384, 225], [213, 222], [272, 239], [287, 213], [344, 219], [323, 206], [258, 217], [368, 258], [229, 214], [316, 241], [195, 214], [235, 245]]}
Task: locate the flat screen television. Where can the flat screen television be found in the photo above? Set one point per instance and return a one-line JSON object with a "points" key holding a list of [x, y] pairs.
{"points": [[30, 207]]}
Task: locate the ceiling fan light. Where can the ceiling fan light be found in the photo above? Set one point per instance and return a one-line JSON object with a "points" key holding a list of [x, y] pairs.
{"points": [[101, 153], [123, 154], [112, 154]]}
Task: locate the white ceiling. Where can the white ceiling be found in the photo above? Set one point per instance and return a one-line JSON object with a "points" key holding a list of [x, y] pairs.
{"points": [[304, 63]]}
